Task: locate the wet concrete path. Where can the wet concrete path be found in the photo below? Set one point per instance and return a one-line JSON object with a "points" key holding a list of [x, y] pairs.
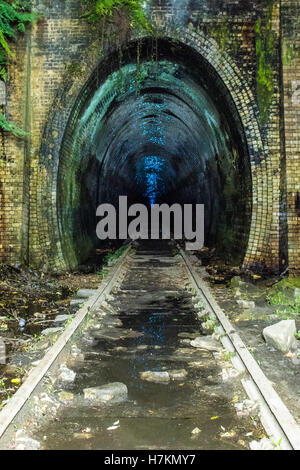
{"points": [[147, 327]]}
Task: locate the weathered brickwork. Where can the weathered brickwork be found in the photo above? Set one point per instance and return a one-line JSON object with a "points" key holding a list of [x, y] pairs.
{"points": [[14, 189], [59, 56], [291, 83]]}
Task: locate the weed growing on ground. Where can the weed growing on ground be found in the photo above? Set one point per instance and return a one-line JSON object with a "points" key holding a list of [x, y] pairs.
{"points": [[277, 299], [291, 310], [114, 256]]}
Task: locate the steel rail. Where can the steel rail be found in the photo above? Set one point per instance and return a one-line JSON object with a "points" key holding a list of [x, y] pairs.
{"points": [[16, 403], [275, 416]]}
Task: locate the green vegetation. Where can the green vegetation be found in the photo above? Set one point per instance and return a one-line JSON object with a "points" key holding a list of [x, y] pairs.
{"points": [[283, 291], [292, 309], [74, 69], [199, 305], [68, 322], [14, 16], [277, 444], [282, 294], [265, 52], [102, 273], [289, 53], [288, 283], [2, 405], [223, 35], [279, 298], [101, 9], [110, 258], [11, 127], [117, 18], [228, 355]]}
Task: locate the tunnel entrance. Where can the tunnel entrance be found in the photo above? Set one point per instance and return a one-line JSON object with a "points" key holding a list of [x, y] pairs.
{"points": [[155, 123]]}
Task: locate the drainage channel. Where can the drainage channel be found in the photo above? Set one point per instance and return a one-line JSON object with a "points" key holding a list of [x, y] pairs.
{"points": [[136, 371]]}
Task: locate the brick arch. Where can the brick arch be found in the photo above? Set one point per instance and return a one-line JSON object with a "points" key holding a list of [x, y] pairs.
{"points": [[257, 255], [68, 99]]}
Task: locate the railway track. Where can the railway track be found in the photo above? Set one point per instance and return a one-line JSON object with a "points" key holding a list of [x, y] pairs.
{"points": [[134, 371]]}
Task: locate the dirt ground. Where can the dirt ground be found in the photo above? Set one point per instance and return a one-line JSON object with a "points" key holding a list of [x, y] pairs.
{"points": [[29, 303]]}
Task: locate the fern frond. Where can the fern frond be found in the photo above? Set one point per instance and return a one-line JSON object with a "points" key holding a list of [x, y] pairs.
{"points": [[14, 15], [11, 127], [4, 44], [97, 9]]}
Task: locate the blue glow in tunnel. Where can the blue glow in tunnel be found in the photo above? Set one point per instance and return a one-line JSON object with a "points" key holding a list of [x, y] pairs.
{"points": [[153, 129], [149, 176]]}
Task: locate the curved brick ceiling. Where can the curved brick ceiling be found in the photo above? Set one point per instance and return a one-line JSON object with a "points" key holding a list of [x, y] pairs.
{"points": [[157, 133]]}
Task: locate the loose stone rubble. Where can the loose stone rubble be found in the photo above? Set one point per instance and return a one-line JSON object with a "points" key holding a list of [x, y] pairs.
{"points": [[281, 335], [110, 393]]}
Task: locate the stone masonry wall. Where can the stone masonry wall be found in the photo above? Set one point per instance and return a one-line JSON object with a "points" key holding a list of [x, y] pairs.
{"points": [[14, 180], [56, 58], [290, 29]]}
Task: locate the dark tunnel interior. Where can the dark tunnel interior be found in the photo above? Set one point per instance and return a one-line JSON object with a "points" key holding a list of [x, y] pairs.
{"points": [[156, 124]]}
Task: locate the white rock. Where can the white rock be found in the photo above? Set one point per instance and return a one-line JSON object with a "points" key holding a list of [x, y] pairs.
{"points": [[237, 293], [76, 352], [281, 335], [229, 374], [156, 377], [62, 318], [297, 293], [66, 375], [50, 331], [26, 443], [44, 405], [77, 302], [263, 444], [228, 435], [246, 407], [86, 293], [112, 428], [178, 374], [247, 305], [206, 342], [196, 431], [114, 393], [65, 396]]}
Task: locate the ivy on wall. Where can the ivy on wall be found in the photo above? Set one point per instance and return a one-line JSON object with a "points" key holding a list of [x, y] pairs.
{"points": [[99, 9], [117, 19], [289, 52], [223, 34], [265, 53], [9, 126], [14, 16]]}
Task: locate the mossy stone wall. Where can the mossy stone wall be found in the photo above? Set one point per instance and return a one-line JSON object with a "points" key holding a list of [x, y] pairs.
{"points": [[57, 57]]}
